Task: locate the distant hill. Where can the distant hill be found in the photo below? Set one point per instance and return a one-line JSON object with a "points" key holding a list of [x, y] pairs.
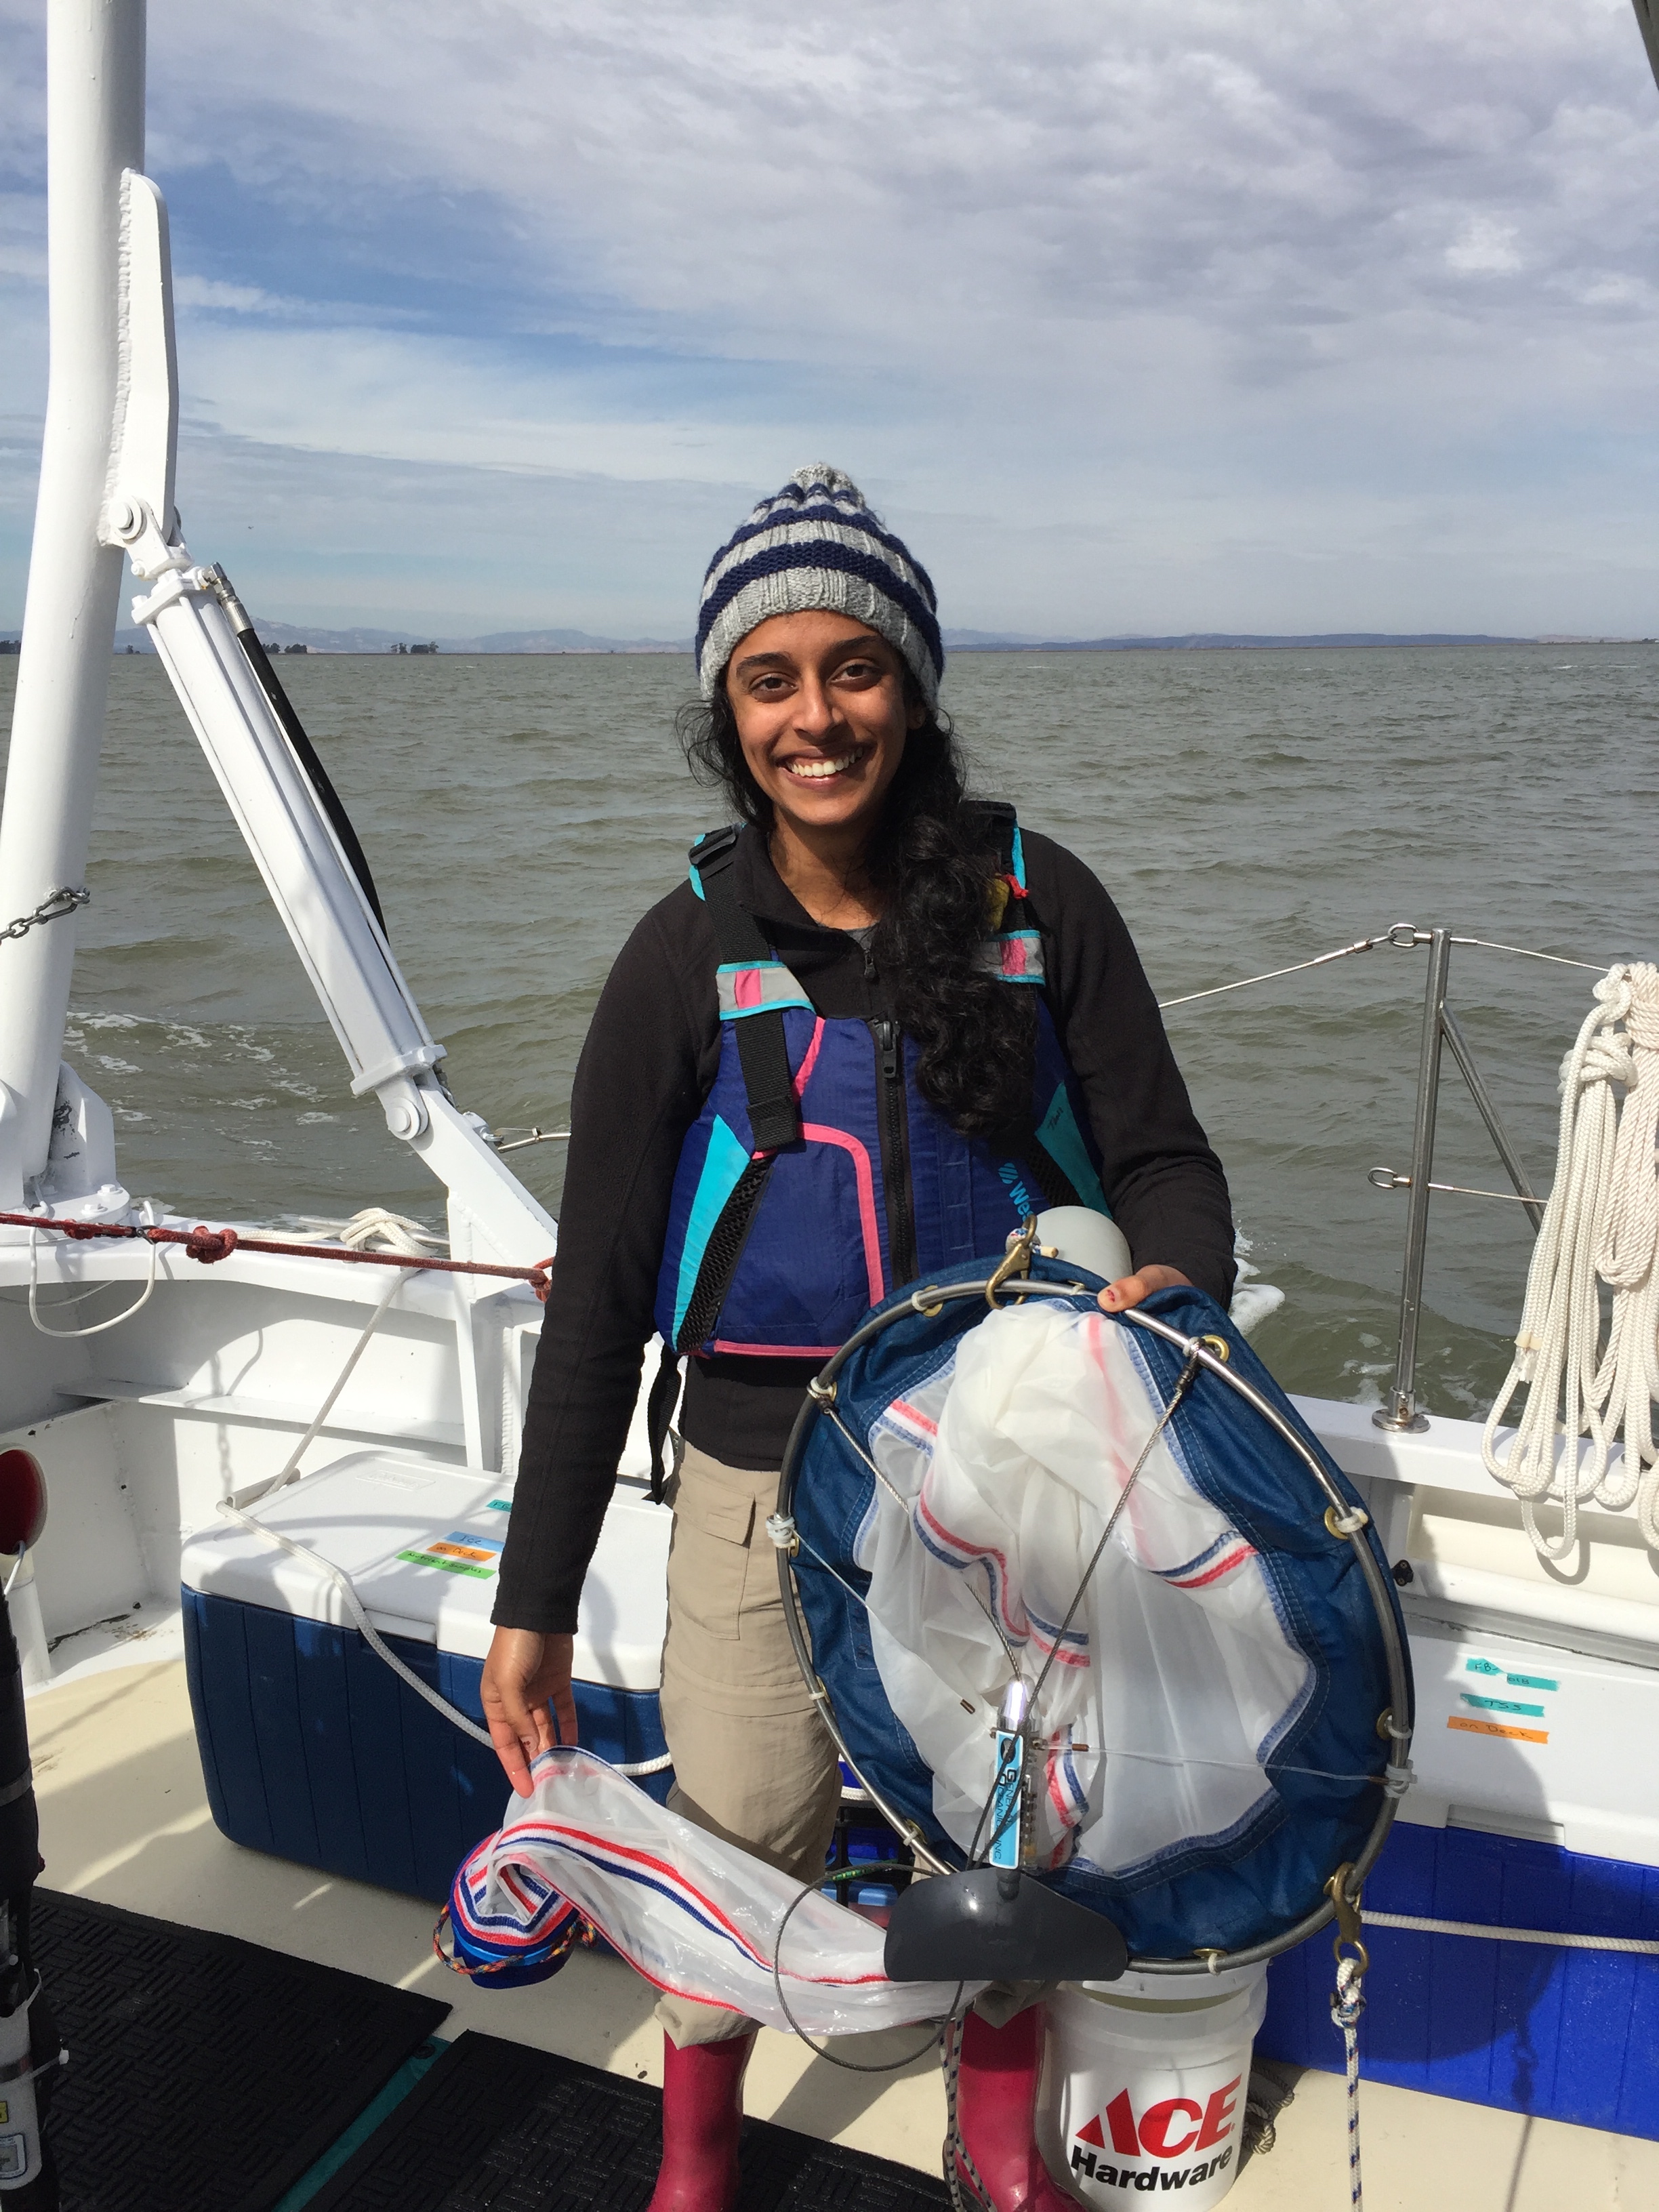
{"points": [[284, 635], [387, 641], [1215, 641]]}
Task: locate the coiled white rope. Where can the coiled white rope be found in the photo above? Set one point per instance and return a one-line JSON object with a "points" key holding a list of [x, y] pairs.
{"points": [[1585, 1379]]}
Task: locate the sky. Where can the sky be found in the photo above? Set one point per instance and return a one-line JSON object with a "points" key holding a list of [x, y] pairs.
{"points": [[1153, 316]]}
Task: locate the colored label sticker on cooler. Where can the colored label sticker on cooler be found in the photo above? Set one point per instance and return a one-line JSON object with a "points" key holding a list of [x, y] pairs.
{"points": [[1497, 1728], [1504, 1705], [449, 1567]]}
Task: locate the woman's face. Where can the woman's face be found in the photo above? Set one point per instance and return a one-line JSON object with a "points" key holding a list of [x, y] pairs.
{"points": [[821, 714]]}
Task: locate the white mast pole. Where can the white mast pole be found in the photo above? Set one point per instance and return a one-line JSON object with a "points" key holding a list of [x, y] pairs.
{"points": [[95, 130]]}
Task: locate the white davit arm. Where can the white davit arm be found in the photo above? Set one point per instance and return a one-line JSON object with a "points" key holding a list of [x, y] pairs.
{"points": [[315, 889]]}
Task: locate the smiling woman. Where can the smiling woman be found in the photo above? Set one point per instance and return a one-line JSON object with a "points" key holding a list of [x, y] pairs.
{"points": [[879, 1026]]}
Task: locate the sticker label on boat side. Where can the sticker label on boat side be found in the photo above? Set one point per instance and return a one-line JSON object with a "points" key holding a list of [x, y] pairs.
{"points": [[501, 1505], [459, 1552], [1497, 1728]]}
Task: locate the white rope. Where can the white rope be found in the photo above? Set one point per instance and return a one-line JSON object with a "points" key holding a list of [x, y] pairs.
{"points": [[373, 1224], [1643, 1945], [1348, 2002], [97, 1327], [1601, 1226]]}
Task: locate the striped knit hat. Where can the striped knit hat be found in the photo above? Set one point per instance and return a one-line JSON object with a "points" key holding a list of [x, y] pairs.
{"points": [[815, 545]]}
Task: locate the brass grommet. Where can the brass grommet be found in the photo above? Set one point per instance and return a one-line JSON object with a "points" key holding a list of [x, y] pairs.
{"points": [[1218, 1345]]}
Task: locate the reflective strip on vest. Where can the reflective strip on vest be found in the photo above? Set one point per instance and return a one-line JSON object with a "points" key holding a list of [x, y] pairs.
{"points": [[756, 986], [1017, 957], [723, 1163]]}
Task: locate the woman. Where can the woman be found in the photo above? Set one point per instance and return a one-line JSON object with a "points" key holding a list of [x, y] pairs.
{"points": [[807, 1082]]}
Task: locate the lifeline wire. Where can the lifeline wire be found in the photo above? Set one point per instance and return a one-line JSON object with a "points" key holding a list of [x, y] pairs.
{"points": [[1396, 936], [1272, 974]]}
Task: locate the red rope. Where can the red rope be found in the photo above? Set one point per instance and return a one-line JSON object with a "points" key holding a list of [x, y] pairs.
{"points": [[209, 1245]]}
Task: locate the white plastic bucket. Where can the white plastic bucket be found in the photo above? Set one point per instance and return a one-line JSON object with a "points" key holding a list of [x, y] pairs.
{"points": [[1144, 2083]]}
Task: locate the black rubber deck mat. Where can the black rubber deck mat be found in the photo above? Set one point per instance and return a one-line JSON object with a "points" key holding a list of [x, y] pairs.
{"points": [[204, 2072], [496, 2126]]}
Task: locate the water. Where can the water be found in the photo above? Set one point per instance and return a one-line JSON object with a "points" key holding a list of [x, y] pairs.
{"points": [[1246, 810]]}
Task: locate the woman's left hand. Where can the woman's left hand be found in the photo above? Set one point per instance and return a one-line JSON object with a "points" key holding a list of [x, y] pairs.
{"points": [[1130, 1290]]}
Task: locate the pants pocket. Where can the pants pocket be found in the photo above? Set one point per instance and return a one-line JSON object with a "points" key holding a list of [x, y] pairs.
{"points": [[708, 1558]]}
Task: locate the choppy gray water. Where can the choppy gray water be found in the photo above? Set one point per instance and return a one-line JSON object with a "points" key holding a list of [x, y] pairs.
{"points": [[1246, 809]]}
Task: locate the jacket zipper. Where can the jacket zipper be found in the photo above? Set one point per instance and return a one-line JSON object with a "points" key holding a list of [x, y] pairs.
{"points": [[896, 1163]]}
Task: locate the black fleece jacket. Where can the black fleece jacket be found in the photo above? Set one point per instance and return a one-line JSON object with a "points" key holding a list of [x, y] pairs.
{"points": [[645, 1069]]}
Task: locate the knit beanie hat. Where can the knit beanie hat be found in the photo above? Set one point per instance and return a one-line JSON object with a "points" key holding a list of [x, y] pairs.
{"points": [[815, 545]]}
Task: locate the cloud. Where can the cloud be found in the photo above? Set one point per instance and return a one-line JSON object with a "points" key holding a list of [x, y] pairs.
{"points": [[209, 294], [1486, 247], [1175, 313]]}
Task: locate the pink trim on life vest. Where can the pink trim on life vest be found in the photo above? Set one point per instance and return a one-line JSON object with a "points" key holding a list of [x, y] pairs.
{"points": [[746, 986], [805, 1076], [815, 1133], [777, 1351]]}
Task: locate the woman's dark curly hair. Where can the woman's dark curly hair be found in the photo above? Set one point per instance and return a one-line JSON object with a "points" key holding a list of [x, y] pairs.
{"points": [[930, 864]]}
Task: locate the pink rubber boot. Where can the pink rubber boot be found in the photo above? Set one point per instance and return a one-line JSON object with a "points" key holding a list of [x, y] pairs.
{"points": [[996, 2102], [702, 2115]]}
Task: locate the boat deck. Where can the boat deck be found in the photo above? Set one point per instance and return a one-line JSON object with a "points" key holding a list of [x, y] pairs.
{"points": [[124, 1818]]}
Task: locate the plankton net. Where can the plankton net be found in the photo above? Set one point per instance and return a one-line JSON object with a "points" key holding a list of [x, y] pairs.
{"points": [[1082, 1599]]}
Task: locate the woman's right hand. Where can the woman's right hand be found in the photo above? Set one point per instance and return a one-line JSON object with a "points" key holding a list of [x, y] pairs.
{"points": [[525, 1673]]}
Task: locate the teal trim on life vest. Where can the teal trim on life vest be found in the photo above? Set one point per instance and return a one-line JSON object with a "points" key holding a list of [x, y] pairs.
{"points": [[695, 880], [1060, 1138], [1017, 855], [723, 1163]]}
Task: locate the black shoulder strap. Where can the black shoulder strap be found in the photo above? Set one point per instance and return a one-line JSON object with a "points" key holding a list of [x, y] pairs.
{"points": [[763, 1044], [1000, 821]]}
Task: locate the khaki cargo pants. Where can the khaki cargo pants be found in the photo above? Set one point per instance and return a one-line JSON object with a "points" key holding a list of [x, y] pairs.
{"points": [[752, 1761]]}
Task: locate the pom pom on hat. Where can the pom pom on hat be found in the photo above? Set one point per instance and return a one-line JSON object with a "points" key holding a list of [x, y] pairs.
{"points": [[815, 545]]}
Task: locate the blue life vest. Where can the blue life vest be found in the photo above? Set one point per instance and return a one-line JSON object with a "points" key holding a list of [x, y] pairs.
{"points": [[817, 1179]]}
